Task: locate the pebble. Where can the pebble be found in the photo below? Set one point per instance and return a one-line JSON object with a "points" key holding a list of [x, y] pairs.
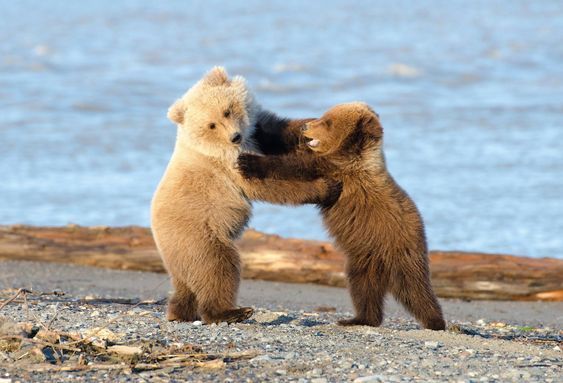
{"points": [[260, 359], [316, 372], [371, 378], [312, 349], [290, 355], [431, 344]]}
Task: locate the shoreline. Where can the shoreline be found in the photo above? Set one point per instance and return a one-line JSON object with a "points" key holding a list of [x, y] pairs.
{"points": [[463, 275]]}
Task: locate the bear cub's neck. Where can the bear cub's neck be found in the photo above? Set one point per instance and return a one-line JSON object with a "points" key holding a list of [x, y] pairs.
{"points": [[366, 165]]}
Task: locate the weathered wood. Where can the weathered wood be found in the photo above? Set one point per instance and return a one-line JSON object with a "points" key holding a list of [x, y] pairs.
{"points": [[270, 257]]}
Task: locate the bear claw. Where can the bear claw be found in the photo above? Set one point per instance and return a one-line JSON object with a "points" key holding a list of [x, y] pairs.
{"points": [[231, 316], [355, 322]]}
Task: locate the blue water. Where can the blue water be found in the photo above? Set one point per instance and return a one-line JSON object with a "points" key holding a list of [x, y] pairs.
{"points": [[470, 95]]}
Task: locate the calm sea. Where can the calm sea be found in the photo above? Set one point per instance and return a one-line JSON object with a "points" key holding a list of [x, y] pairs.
{"points": [[470, 95]]}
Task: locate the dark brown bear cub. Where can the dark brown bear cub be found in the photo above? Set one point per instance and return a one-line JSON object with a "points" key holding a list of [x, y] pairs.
{"points": [[374, 221]]}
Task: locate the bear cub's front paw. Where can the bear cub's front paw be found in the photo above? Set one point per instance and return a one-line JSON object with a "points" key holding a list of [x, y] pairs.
{"points": [[250, 166]]}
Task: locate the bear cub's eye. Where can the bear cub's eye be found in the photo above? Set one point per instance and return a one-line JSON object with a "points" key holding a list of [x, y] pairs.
{"points": [[212, 125], [227, 113]]}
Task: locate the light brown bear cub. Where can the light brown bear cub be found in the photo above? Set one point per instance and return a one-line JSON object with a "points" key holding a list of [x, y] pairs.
{"points": [[374, 221], [202, 203]]}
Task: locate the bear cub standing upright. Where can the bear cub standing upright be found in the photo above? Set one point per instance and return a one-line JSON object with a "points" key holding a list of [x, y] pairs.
{"points": [[202, 203], [374, 221]]}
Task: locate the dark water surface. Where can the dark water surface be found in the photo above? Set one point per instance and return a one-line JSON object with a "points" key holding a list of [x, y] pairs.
{"points": [[470, 95]]}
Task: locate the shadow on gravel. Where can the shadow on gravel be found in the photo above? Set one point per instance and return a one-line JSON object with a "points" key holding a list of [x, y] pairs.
{"points": [[287, 319], [523, 336], [282, 319], [311, 323]]}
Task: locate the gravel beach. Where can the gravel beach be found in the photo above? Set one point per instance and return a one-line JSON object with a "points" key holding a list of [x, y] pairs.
{"points": [[118, 319]]}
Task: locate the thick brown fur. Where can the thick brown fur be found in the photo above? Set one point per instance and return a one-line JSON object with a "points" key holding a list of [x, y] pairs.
{"points": [[374, 221], [202, 203]]}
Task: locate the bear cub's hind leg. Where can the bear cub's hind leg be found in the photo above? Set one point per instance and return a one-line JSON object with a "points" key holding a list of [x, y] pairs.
{"points": [[182, 306], [217, 291], [367, 287], [414, 292]]}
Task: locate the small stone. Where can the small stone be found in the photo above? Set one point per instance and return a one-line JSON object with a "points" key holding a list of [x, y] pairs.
{"points": [[431, 344], [481, 322], [316, 372], [319, 380], [557, 348], [370, 379], [281, 372], [260, 359], [197, 323], [511, 373]]}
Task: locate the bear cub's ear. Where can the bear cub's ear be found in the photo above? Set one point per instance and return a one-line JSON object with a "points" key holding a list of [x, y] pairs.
{"points": [[216, 77], [176, 112], [370, 125]]}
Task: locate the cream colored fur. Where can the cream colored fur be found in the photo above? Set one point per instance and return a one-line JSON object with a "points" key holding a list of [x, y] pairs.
{"points": [[202, 202]]}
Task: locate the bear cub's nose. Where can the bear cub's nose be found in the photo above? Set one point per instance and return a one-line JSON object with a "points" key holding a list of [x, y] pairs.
{"points": [[236, 138]]}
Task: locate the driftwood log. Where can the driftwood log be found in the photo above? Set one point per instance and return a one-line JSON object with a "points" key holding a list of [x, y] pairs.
{"points": [[270, 257]]}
